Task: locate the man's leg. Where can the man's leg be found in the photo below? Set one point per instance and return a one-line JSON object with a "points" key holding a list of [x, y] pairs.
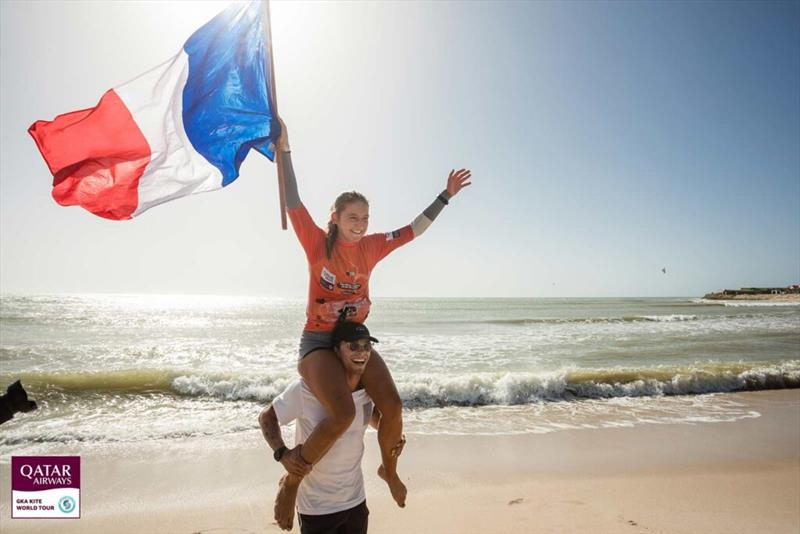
{"points": [[357, 520], [322, 524], [325, 377], [380, 387]]}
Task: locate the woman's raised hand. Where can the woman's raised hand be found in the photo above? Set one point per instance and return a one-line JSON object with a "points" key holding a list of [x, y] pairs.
{"points": [[458, 180], [283, 141]]}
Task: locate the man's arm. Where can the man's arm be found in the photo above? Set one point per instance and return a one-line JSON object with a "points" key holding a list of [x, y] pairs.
{"points": [[271, 430]]}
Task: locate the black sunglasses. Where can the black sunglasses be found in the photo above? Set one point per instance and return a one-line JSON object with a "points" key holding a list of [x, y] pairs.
{"points": [[358, 347]]}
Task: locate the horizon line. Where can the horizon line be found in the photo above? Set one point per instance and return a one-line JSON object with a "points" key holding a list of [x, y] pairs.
{"points": [[303, 297]]}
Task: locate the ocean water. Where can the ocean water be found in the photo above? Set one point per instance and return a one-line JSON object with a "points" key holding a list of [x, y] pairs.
{"points": [[123, 369]]}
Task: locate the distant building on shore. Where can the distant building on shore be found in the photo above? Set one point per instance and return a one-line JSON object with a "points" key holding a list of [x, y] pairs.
{"points": [[795, 288]]}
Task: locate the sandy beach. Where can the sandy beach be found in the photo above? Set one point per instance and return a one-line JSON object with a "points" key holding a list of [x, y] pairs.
{"points": [[742, 476]]}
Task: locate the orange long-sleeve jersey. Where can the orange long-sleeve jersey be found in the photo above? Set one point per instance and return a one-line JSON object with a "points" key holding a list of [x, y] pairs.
{"points": [[342, 280]]}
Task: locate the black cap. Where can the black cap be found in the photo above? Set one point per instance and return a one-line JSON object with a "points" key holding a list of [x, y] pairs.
{"points": [[350, 331]]}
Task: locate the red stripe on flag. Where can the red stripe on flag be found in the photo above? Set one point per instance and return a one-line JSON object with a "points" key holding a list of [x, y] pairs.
{"points": [[96, 156]]}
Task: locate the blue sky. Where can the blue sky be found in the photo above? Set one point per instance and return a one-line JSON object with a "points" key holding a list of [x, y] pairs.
{"points": [[606, 140]]}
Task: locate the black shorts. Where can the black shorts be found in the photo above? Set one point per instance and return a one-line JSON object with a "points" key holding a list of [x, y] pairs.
{"points": [[352, 521], [311, 341]]}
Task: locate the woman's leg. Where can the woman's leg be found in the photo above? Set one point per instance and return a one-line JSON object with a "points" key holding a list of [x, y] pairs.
{"points": [[325, 376], [380, 387]]}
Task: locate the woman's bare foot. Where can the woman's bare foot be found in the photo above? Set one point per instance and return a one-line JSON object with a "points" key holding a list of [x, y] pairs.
{"points": [[284, 502], [396, 487]]}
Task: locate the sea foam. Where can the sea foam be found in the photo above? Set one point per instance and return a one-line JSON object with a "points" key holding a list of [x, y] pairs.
{"points": [[427, 390]]}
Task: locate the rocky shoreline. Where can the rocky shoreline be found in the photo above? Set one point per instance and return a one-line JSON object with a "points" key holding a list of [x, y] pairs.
{"points": [[790, 294]]}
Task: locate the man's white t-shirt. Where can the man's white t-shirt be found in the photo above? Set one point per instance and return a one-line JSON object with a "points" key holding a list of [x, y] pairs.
{"points": [[335, 483]]}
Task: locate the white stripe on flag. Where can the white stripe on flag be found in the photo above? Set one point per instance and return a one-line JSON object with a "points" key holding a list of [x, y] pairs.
{"points": [[176, 169]]}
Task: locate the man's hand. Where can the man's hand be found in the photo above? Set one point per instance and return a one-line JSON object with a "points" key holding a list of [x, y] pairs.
{"points": [[294, 463], [457, 181]]}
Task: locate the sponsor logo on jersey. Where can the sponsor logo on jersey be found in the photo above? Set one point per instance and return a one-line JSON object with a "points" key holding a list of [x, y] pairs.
{"points": [[351, 287], [327, 279]]}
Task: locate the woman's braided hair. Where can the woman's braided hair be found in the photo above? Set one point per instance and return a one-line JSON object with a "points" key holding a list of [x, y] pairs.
{"points": [[338, 207]]}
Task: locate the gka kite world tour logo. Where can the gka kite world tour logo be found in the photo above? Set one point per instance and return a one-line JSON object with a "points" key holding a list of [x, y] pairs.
{"points": [[45, 487]]}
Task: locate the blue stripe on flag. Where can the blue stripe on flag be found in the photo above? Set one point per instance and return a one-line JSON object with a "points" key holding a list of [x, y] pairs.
{"points": [[227, 107]]}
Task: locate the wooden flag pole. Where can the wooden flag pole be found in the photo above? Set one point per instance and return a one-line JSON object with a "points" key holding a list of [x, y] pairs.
{"points": [[266, 24]]}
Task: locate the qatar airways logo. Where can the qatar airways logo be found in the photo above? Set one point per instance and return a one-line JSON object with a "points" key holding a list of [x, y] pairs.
{"points": [[47, 474], [45, 487]]}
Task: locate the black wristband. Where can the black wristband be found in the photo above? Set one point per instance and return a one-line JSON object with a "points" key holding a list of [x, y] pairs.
{"points": [[279, 452], [444, 200]]}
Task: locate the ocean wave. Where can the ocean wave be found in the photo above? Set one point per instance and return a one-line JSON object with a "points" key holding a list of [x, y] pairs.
{"points": [[476, 389], [526, 388], [669, 318], [758, 304], [248, 388], [227, 386], [134, 381], [746, 303], [592, 320]]}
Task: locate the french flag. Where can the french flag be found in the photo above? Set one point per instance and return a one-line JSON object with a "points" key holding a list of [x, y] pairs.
{"points": [[182, 128]]}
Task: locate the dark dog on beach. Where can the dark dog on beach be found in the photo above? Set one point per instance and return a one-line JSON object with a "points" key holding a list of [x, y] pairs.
{"points": [[15, 400]]}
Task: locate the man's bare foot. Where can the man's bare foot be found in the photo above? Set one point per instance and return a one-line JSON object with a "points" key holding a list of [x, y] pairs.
{"points": [[284, 502], [396, 487]]}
